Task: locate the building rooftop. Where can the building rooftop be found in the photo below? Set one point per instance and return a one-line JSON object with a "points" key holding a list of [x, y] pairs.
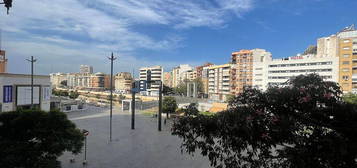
{"points": [[22, 75]]}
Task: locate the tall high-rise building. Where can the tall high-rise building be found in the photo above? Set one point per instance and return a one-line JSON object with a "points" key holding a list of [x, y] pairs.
{"points": [[3, 62], [86, 69], [152, 76], [242, 74]]}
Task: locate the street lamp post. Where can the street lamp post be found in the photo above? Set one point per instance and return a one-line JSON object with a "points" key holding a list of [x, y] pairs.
{"points": [[160, 106], [133, 106], [112, 58], [32, 61]]}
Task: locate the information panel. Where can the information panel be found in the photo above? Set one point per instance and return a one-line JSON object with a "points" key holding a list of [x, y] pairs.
{"points": [[46, 93], [23, 96], [7, 98]]}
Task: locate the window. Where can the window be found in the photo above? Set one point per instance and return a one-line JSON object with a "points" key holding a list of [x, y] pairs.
{"points": [[345, 69], [346, 55], [345, 78], [346, 41], [345, 85], [346, 62]]}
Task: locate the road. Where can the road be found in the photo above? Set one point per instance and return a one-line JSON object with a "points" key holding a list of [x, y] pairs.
{"points": [[143, 147]]}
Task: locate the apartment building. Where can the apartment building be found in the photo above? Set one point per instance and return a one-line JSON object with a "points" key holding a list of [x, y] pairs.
{"points": [[123, 82], [3, 62], [150, 78], [342, 45], [58, 80], [168, 79], [261, 58], [219, 81], [242, 73], [180, 73], [204, 79], [85, 69]]}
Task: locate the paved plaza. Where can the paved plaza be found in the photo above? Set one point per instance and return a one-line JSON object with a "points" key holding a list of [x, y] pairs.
{"points": [[143, 147]]}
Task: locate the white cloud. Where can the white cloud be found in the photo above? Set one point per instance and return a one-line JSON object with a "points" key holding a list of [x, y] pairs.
{"points": [[86, 29]]}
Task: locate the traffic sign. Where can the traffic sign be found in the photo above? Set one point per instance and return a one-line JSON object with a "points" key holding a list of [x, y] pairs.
{"points": [[85, 132]]}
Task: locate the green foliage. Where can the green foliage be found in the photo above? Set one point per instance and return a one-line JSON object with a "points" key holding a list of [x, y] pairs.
{"points": [[230, 98], [207, 113], [199, 84], [60, 92], [191, 110], [181, 88], [122, 97], [73, 95], [64, 83], [350, 98], [312, 49], [167, 90], [36, 138], [169, 105], [303, 125]]}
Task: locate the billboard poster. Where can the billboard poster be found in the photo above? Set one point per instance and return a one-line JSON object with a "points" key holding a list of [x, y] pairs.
{"points": [[23, 96], [46, 95], [7, 98]]}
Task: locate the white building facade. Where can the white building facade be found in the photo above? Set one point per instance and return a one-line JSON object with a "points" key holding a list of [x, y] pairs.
{"points": [[150, 78], [277, 72], [16, 92]]}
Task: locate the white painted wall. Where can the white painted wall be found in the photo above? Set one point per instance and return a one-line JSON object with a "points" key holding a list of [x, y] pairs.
{"points": [[20, 79]]}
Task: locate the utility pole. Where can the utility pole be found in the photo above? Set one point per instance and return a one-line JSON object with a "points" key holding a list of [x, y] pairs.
{"points": [[32, 61], [160, 106], [112, 58]]}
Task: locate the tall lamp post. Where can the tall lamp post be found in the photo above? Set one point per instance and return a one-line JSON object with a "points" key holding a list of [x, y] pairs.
{"points": [[32, 60], [112, 58], [160, 105]]}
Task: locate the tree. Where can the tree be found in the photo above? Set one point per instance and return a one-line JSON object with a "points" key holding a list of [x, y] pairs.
{"points": [[73, 95], [64, 83], [312, 49], [199, 85], [36, 138], [303, 125], [167, 90], [191, 110], [181, 88], [169, 105], [350, 98]]}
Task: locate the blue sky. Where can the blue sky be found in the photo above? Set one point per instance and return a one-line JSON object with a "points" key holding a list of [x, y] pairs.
{"points": [[64, 34]]}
